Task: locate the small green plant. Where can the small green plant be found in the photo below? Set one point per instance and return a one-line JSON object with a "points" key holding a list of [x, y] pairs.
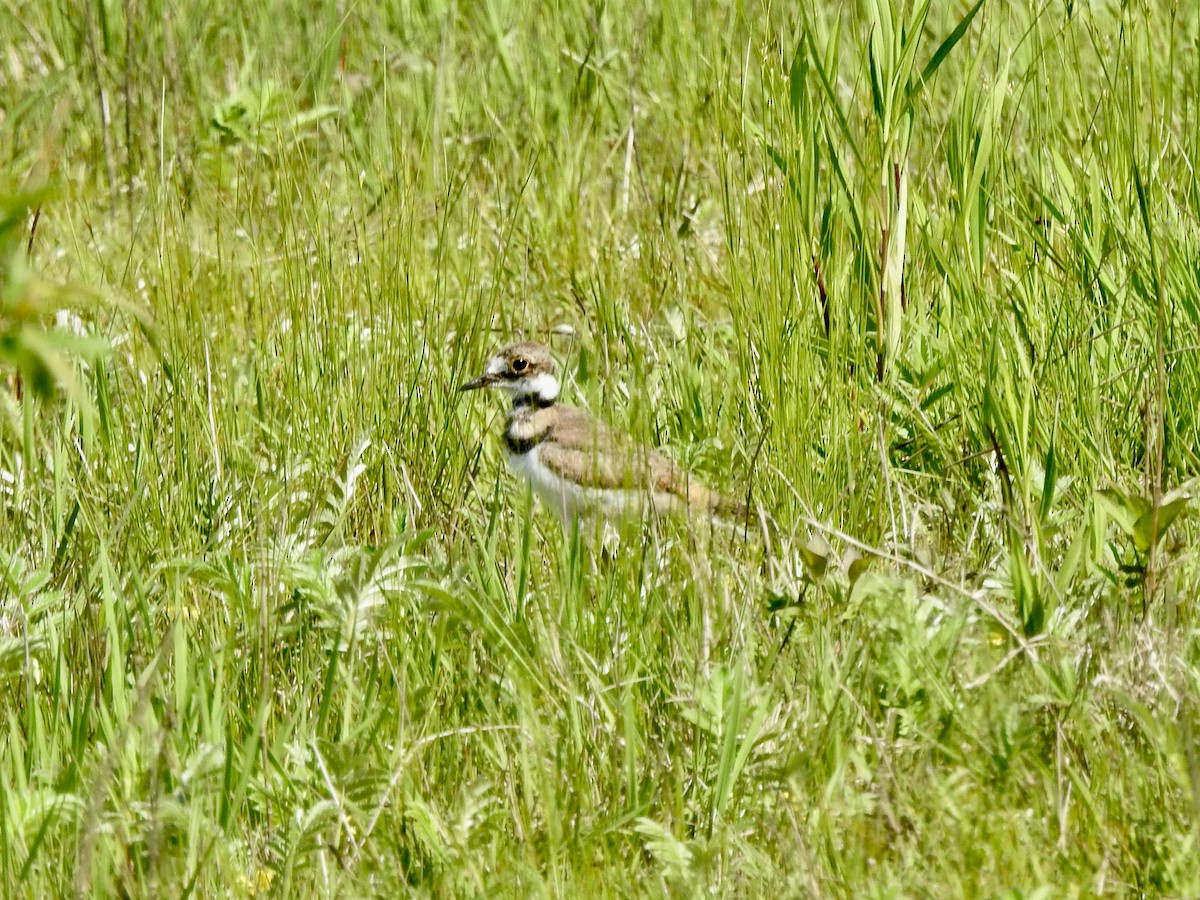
{"points": [[1141, 523], [830, 140], [260, 118]]}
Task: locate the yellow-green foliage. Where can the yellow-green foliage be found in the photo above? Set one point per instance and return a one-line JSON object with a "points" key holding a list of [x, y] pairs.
{"points": [[921, 280]]}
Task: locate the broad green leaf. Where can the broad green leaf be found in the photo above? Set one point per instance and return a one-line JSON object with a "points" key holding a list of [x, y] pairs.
{"points": [[856, 569], [943, 50], [1049, 478], [1147, 532], [1067, 181], [1070, 564], [877, 89], [902, 75], [1025, 589], [815, 556], [798, 79], [1124, 509]]}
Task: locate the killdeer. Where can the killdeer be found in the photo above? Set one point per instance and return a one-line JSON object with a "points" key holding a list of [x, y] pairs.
{"points": [[575, 463]]}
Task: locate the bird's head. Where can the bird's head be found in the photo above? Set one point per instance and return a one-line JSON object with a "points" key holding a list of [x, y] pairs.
{"points": [[524, 369]]}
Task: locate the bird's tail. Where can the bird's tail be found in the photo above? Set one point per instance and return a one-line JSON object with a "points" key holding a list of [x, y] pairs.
{"points": [[732, 509], [736, 512], [699, 498]]}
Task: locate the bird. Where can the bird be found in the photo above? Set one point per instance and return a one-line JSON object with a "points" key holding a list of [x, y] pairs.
{"points": [[576, 464]]}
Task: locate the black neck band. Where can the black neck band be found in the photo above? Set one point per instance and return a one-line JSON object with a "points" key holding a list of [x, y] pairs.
{"points": [[520, 401]]}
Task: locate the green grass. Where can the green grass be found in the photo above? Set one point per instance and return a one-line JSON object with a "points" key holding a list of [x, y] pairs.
{"points": [[924, 283]]}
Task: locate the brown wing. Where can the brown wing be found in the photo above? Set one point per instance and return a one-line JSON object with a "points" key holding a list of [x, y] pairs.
{"points": [[585, 450], [580, 447]]}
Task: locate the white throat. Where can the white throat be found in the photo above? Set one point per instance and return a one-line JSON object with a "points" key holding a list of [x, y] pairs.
{"points": [[543, 388]]}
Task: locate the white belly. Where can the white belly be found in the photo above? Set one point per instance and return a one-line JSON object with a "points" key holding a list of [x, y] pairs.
{"points": [[567, 499]]}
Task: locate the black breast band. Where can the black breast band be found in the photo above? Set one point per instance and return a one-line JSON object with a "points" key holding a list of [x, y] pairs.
{"points": [[518, 446], [521, 446]]}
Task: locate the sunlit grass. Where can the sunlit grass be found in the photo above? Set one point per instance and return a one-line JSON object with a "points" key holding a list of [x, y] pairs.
{"points": [[921, 282]]}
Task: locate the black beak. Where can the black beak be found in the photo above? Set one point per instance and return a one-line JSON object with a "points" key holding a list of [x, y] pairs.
{"points": [[480, 382]]}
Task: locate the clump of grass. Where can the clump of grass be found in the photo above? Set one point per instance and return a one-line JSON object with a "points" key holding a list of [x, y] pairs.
{"points": [[918, 278]]}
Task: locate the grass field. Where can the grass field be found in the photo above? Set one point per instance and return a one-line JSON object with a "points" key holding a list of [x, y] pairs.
{"points": [[921, 282]]}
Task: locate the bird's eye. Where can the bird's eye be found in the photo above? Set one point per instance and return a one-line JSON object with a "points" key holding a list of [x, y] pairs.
{"points": [[520, 364]]}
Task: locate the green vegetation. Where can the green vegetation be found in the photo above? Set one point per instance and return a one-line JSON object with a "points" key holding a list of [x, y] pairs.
{"points": [[924, 282]]}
